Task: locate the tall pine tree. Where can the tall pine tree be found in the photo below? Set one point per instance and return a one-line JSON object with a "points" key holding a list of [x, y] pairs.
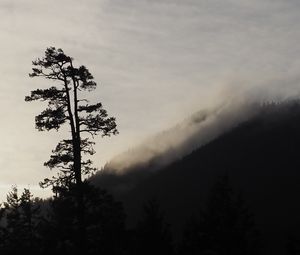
{"points": [[67, 104]]}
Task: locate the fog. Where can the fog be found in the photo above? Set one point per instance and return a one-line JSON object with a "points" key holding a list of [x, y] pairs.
{"points": [[232, 104], [156, 63]]}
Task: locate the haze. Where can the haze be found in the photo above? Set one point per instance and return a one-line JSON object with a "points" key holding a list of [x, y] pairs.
{"points": [[156, 62]]}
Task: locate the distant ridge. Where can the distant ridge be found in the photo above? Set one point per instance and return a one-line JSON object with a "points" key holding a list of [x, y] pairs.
{"points": [[261, 156], [175, 143]]}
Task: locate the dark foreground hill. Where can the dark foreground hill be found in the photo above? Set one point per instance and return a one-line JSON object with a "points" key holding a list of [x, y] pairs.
{"points": [[261, 156]]}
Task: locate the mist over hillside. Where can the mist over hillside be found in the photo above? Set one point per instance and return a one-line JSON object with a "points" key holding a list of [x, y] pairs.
{"points": [[160, 150], [169, 145], [260, 154]]}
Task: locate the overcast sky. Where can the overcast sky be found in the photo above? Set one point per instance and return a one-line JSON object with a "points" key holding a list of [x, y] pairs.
{"points": [[156, 62]]}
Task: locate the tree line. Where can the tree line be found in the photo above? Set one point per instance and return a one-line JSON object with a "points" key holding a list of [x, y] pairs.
{"points": [[28, 224], [83, 219]]}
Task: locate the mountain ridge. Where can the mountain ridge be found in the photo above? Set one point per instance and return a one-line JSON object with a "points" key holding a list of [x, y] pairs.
{"points": [[261, 157]]}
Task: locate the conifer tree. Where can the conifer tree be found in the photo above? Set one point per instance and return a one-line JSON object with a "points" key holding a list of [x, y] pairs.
{"points": [[67, 105], [224, 227], [30, 217], [105, 223], [21, 216], [153, 235]]}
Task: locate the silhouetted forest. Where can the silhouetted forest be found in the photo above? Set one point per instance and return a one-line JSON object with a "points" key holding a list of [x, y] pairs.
{"points": [[261, 158], [236, 195], [33, 225]]}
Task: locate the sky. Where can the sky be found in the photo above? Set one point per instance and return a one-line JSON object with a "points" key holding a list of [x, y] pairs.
{"points": [[155, 61]]}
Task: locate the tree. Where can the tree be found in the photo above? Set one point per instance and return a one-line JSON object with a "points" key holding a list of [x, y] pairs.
{"points": [[30, 216], [105, 223], [225, 227], [293, 245], [152, 234], [66, 106], [21, 214]]}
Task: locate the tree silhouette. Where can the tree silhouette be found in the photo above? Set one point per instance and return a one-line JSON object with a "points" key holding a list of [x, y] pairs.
{"points": [[30, 217], [225, 227], [67, 104], [21, 215], [105, 223], [293, 245], [152, 234]]}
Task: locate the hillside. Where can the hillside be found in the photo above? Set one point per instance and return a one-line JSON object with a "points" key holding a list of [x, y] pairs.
{"points": [[261, 158]]}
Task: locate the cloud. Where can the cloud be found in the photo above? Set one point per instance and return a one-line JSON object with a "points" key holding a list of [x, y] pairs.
{"points": [[156, 62], [235, 105]]}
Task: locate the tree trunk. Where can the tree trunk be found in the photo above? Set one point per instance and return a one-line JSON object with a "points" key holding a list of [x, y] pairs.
{"points": [[81, 236]]}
